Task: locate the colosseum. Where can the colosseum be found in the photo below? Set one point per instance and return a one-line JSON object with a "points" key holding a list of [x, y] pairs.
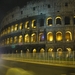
{"points": [[43, 25]]}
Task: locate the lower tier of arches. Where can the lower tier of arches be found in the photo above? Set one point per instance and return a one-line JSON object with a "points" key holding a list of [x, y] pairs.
{"points": [[37, 48]]}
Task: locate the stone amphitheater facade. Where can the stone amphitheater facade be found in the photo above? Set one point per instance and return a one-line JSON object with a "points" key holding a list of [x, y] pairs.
{"points": [[39, 26]]}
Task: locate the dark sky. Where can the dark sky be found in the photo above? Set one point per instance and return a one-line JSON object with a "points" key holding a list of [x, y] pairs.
{"points": [[7, 5]]}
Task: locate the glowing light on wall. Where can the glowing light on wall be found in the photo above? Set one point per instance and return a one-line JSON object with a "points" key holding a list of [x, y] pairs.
{"points": [[12, 28], [34, 50], [68, 36], [50, 36], [50, 49], [11, 40], [21, 26], [15, 39], [20, 39], [50, 52], [33, 23], [26, 38], [69, 49], [27, 25], [42, 50], [58, 17], [9, 30], [58, 36], [16, 27], [59, 51], [33, 37]]}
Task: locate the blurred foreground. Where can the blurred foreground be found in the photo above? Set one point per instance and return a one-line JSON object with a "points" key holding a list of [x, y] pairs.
{"points": [[50, 57], [18, 71]]}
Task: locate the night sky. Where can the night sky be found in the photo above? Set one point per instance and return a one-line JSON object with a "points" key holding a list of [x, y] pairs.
{"points": [[7, 5]]}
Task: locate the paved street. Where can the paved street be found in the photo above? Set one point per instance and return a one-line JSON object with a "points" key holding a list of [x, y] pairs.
{"points": [[9, 68], [2, 70], [35, 68]]}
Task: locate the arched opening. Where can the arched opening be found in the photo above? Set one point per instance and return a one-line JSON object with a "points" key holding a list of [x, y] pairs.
{"points": [[58, 20], [12, 28], [49, 36], [42, 52], [59, 52], [69, 52], [9, 29], [41, 37], [33, 23], [49, 21], [21, 26], [59, 36], [20, 39], [34, 52], [26, 38], [16, 27], [68, 36], [15, 39], [11, 40], [27, 25], [33, 37], [50, 52]]}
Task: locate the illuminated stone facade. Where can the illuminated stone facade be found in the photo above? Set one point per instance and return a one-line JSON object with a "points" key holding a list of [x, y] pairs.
{"points": [[40, 26]]}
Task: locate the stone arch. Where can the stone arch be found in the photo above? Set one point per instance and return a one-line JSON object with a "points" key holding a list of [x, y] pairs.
{"points": [[68, 36], [26, 39], [49, 21], [33, 37], [59, 36], [59, 52], [49, 36], [58, 20]]}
